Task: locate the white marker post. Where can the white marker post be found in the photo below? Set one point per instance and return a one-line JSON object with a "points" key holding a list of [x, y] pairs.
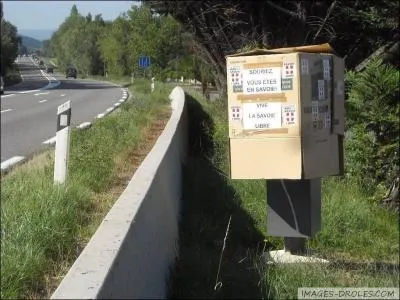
{"points": [[62, 142], [152, 84]]}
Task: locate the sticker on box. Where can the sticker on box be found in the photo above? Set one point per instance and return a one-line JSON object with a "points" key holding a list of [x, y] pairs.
{"points": [[262, 80], [289, 114], [314, 110], [262, 115], [235, 112], [288, 70], [236, 79], [304, 66], [287, 84], [327, 120], [321, 89], [327, 69]]}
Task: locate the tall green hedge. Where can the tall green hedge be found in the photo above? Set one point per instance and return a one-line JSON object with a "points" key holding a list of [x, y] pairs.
{"points": [[372, 135]]}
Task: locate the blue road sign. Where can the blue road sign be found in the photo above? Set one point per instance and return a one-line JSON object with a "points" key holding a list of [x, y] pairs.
{"points": [[144, 62]]}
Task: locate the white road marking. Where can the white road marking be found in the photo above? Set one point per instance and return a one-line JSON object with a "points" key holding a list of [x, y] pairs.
{"points": [[110, 109], [9, 162], [50, 141], [121, 100], [62, 95], [26, 92], [9, 95], [84, 125], [6, 110], [99, 116], [41, 101], [46, 93], [117, 104]]}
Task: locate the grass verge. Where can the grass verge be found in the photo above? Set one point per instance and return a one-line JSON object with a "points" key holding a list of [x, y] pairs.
{"points": [[360, 239], [44, 227], [12, 76]]}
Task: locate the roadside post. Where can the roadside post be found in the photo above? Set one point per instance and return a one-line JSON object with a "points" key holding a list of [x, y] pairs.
{"points": [[62, 143], [152, 84], [286, 126]]}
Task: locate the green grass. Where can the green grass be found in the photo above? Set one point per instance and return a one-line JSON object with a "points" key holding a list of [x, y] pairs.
{"points": [[360, 239], [45, 226]]}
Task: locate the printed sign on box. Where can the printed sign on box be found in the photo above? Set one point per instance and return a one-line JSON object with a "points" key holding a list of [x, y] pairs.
{"points": [[262, 80], [327, 119], [262, 115], [304, 66], [235, 110], [288, 70], [327, 69], [236, 79], [289, 114], [287, 84]]}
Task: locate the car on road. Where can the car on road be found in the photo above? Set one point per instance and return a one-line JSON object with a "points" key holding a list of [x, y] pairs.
{"points": [[71, 72], [2, 85], [49, 69]]}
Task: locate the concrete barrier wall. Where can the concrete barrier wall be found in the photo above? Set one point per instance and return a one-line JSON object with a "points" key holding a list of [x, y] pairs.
{"points": [[131, 253]]}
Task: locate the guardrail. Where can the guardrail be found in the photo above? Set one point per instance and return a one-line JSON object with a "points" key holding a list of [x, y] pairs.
{"points": [[131, 253]]}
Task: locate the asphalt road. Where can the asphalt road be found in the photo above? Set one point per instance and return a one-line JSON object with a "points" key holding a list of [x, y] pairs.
{"points": [[29, 109]]}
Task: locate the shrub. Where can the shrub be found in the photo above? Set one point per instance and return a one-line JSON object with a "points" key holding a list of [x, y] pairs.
{"points": [[372, 136]]}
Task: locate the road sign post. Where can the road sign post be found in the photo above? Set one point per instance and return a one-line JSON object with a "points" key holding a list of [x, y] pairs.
{"points": [[144, 62], [62, 143]]}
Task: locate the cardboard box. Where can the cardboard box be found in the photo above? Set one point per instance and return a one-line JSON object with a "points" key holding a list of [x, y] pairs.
{"points": [[286, 113]]}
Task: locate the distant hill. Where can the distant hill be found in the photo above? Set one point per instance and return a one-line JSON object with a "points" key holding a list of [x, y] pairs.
{"points": [[39, 34], [30, 43]]}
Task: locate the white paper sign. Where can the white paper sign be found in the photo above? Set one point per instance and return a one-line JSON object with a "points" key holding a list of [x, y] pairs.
{"points": [[327, 120], [314, 109], [289, 114], [327, 69], [304, 66], [321, 89], [262, 115], [262, 80], [289, 70]]}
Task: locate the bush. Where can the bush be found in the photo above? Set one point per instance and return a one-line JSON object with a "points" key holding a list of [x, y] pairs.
{"points": [[372, 136]]}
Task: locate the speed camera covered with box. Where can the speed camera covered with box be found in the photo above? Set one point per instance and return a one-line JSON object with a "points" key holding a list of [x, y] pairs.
{"points": [[286, 113]]}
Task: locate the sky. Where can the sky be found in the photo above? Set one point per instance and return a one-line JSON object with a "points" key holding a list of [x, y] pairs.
{"points": [[28, 15]]}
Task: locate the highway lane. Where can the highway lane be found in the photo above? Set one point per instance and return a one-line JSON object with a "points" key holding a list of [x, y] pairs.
{"points": [[32, 78], [29, 114]]}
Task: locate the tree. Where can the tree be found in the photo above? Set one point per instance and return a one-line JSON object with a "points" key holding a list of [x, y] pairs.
{"points": [[9, 45], [76, 42], [354, 28]]}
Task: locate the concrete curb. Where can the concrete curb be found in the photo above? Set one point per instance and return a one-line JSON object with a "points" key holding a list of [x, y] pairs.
{"points": [[130, 254]]}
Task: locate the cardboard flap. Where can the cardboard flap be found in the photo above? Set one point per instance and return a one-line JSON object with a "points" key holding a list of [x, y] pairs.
{"points": [[322, 48]]}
